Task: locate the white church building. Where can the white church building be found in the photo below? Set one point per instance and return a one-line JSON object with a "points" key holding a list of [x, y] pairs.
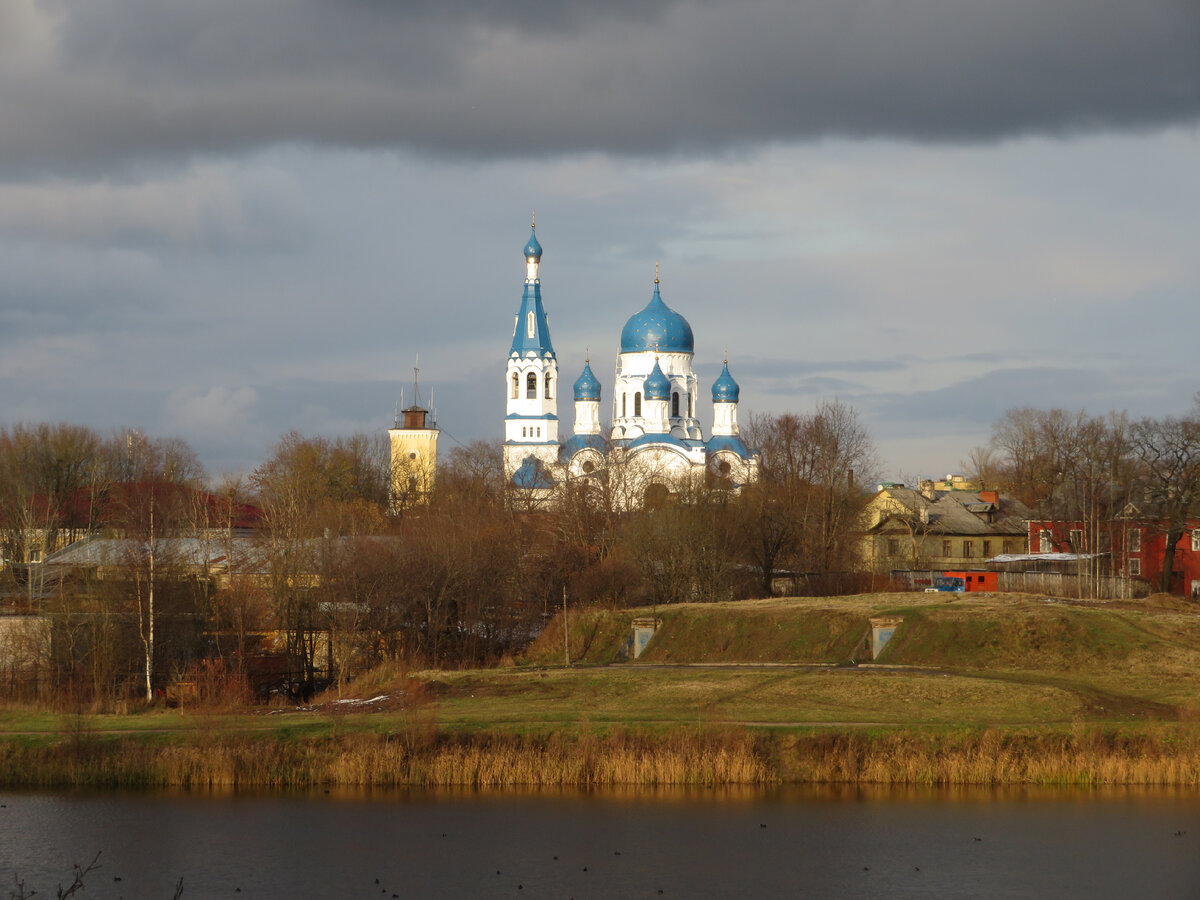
{"points": [[655, 441]]}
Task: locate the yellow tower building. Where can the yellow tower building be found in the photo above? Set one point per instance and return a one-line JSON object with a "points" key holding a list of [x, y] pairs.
{"points": [[414, 457]]}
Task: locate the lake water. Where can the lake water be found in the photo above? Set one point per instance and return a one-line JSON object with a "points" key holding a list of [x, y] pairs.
{"points": [[789, 842]]}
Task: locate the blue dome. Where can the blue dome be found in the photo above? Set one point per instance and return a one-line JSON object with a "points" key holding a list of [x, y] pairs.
{"points": [[725, 389], [657, 327], [587, 387], [657, 386], [533, 248]]}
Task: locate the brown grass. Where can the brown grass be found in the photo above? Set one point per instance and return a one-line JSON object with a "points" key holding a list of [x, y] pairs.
{"points": [[1157, 755]]}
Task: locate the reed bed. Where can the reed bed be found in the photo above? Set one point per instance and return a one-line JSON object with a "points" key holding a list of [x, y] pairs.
{"points": [[1158, 755]]}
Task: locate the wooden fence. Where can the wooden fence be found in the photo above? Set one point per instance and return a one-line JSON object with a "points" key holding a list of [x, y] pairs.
{"points": [[1055, 584]]}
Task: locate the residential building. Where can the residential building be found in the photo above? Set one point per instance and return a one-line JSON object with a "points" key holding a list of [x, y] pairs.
{"points": [[907, 528]]}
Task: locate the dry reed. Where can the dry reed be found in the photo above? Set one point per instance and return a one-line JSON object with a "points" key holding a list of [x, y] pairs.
{"points": [[1158, 755]]}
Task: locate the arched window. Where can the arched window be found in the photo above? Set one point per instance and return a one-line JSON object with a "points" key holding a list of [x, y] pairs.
{"points": [[548, 397], [532, 326], [624, 397], [691, 406], [531, 386], [516, 386], [675, 404], [523, 432], [637, 403]]}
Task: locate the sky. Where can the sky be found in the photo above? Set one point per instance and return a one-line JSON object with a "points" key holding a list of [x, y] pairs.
{"points": [[225, 221]]}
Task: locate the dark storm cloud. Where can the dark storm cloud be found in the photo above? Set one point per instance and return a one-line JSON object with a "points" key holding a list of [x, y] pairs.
{"points": [[105, 80]]}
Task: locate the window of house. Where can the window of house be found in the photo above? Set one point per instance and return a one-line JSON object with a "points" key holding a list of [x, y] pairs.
{"points": [[531, 386], [1135, 567], [1135, 540], [523, 434], [675, 404], [947, 548], [968, 548], [637, 403], [1196, 539], [539, 432], [893, 547], [548, 397], [987, 549], [516, 386], [1045, 542], [1010, 547], [1077, 539]]}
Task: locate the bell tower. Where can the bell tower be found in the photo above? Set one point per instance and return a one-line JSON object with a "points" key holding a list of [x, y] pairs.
{"points": [[531, 377]]}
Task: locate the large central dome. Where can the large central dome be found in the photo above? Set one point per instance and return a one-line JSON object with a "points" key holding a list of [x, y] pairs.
{"points": [[658, 328]]}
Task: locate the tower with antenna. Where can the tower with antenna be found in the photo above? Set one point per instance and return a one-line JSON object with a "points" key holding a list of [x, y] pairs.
{"points": [[414, 436]]}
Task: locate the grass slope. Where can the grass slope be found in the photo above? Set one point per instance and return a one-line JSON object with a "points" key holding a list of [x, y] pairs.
{"points": [[1005, 657], [971, 689]]}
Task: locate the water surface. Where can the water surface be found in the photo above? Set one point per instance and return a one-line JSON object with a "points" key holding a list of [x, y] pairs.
{"points": [[790, 842]]}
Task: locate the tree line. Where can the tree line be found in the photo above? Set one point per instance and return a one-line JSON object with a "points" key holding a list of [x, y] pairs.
{"points": [[1082, 475], [305, 572], [305, 565]]}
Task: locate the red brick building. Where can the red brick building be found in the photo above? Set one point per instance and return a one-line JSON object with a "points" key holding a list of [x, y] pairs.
{"points": [[1134, 547]]}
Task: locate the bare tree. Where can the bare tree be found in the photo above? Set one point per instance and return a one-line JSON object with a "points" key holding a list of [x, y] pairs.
{"points": [[1168, 451], [153, 502], [806, 508], [49, 475]]}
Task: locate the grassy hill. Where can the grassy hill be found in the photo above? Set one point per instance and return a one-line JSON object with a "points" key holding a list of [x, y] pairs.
{"points": [[1114, 659], [976, 688]]}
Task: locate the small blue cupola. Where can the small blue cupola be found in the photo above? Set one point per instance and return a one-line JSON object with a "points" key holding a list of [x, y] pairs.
{"points": [[725, 389], [657, 385], [587, 386], [533, 249]]}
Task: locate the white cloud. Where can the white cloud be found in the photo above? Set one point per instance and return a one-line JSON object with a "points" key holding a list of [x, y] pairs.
{"points": [[227, 412], [28, 36]]}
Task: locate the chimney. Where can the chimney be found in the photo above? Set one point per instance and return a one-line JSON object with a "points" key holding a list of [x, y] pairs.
{"points": [[990, 497]]}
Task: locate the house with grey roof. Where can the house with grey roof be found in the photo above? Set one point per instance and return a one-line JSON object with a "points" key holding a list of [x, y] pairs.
{"points": [[908, 528]]}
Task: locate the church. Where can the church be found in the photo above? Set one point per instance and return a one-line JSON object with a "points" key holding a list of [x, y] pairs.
{"points": [[655, 446]]}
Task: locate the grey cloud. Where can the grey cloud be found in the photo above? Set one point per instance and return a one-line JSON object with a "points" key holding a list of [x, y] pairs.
{"points": [[135, 79], [784, 368], [975, 403], [203, 208]]}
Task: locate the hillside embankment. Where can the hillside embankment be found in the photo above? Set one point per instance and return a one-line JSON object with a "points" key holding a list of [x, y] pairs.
{"points": [[975, 688]]}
